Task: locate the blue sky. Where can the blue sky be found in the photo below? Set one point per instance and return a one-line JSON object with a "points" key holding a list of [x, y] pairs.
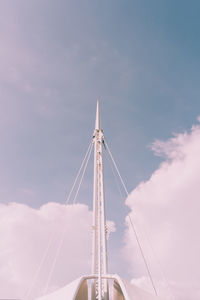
{"points": [[142, 58]]}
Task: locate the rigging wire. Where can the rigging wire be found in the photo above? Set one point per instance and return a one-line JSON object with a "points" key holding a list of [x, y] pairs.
{"points": [[133, 227], [84, 169], [115, 177], [28, 292], [142, 253], [79, 172], [54, 261], [158, 262], [51, 238], [129, 218], [114, 163], [65, 229]]}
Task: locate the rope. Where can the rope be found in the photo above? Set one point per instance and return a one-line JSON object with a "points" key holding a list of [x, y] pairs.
{"points": [[27, 294], [78, 174], [86, 158], [129, 218], [54, 262], [114, 163], [64, 231], [84, 169], [143, 256], [158, 262], [115, 178]]}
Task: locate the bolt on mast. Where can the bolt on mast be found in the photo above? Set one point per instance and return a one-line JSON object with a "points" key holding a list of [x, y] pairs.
{"points": [[99, 261]]}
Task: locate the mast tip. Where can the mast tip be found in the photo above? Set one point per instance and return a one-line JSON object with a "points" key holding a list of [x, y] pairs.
{"points": [[97, 124]]}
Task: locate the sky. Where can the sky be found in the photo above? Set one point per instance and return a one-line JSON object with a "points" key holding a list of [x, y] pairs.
{"points": [[141, 58]]}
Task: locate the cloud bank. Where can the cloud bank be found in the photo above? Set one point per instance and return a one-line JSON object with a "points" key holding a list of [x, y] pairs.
{"points": [[165, 210], [25, 233], [30, 239]]}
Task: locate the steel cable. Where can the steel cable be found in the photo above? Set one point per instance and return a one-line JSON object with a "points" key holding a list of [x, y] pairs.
{"points": [[129, 218], [51, 238], [65, 229]]}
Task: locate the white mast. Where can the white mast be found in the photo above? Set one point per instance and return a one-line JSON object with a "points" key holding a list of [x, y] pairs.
{"points": [[78, 289], [99, 261]]}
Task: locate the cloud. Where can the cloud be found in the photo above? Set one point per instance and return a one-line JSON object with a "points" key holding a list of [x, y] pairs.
{"points": [[165, 210], [25, 233]]}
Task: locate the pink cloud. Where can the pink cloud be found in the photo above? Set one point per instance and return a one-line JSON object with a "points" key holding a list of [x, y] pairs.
{"points": [[25, 233], [166, 211]]}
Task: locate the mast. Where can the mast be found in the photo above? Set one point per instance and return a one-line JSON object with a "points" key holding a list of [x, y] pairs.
{"points": [[99, 260]]}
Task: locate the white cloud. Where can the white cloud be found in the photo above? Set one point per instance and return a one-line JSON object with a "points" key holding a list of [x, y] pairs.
{"points": [[165, 210], [25, 233]]}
